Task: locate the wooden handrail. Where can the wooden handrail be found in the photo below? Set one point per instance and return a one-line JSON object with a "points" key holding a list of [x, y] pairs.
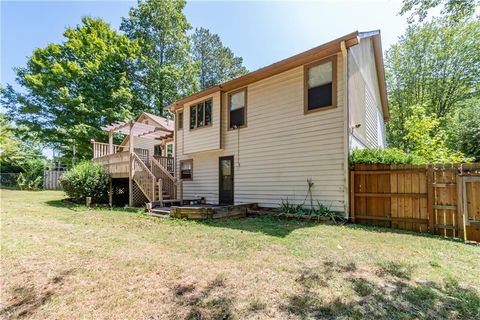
{"points": [[164, 170], [143, 165], [101, 149], [167, 162], [169, 182], [144, 178]]}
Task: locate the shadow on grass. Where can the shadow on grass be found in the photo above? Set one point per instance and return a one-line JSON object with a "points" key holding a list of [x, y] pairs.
{"points": [[378, 229], [25, 300], [211, 302], [384, 294], [280, 227], [67, 204], [267, 225]]}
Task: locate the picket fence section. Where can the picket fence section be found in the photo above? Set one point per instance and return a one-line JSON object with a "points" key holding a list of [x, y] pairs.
{"points": [[51, 179], [441, 199]]}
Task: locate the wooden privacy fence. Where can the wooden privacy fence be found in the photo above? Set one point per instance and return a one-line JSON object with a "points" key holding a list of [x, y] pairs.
{"points": [[51, 179], [441, 199]]}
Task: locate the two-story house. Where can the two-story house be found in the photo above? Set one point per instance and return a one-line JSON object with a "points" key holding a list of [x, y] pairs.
{"points": [[259, 137]]}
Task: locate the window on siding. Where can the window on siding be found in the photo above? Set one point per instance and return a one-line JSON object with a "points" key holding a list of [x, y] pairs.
{"points": [[157, 150], [193, 117], [180, 120], [208, 112], [170, 149], [237, 103], [320, 85], [201, 114], [186, 169]]}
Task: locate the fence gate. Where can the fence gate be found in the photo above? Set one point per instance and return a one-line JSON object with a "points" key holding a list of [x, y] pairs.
{"points": [[441, 199], [51, 179]]}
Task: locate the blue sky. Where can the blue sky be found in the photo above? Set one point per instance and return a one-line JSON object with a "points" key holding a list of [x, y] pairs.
{"points": [[260, 32]]}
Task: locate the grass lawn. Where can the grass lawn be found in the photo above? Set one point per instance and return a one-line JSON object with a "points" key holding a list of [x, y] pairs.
{"points": [[62, 262]]}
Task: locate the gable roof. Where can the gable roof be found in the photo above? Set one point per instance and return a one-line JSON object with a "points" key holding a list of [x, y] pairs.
{"points": [[321, 51], [160, 122]]}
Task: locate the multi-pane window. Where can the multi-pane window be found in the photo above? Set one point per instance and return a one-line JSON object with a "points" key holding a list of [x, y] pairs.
{"points": [[320, 85], [186, 169], [237, 104], [201, 114]]}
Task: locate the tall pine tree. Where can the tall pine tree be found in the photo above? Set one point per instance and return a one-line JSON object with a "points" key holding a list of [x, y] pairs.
{"points": [[215, 62], [165, 71]]}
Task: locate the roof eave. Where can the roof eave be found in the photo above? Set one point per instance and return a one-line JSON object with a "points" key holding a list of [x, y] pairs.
{"points": [[297, 60], [377, 49]]}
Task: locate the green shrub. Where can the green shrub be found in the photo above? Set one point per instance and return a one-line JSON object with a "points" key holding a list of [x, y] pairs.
{"points": [[86, 179], [384, 156], [32, 176], [320, 210]]}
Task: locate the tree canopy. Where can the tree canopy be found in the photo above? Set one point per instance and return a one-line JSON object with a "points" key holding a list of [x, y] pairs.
{"points": [[15, 151], [215, 62], [454, 9], [435, 67], [70, 90], [164, 71]]}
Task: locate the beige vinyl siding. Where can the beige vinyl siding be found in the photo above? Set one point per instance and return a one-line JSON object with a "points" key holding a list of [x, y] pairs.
{"points": [[364, 97], [144, 143], [204, 138], [280, 148]]}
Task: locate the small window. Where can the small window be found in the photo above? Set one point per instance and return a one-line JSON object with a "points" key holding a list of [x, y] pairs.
{"points": [[201, 114], [157, 150], [237, 104], [169, 149], [180, 120], [186, 169], [320, 85]]}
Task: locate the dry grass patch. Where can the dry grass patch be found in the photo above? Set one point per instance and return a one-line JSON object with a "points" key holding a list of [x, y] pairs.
{"points": [[65, 261]]}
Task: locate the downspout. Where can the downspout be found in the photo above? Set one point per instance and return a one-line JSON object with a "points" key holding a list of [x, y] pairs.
{"points": [[346, 144]]}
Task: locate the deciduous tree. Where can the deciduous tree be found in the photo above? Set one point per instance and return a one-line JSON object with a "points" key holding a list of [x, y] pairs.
{"points": [[435, 65], [454, 9], [68, 90]]}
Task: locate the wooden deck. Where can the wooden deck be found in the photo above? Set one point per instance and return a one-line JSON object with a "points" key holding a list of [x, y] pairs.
{"points": [[203, 212], [117, 165]]}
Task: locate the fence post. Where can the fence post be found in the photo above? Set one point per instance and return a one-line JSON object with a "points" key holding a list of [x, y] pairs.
{"points": [[352, 196], [430, 199], [462, 232]]}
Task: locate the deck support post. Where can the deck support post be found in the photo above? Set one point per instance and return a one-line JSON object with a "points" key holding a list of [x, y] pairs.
{"points": [[130, 171], [110, 194], [160, 191], [110, 142]]}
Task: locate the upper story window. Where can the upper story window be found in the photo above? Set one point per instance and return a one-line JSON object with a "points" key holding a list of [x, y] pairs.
{"points": [[180, 120], [320, 85], [201, 114], [237, 105]]}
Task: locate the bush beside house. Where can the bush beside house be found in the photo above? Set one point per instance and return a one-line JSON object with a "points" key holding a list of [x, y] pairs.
{"points": [[86, 179]]}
